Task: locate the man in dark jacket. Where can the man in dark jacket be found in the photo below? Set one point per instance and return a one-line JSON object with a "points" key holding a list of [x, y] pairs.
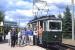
{"points": [[13, 37]]}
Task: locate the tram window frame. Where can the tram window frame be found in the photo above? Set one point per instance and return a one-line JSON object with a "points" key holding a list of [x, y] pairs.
{"points": [[45, 28], [45, 25], [34, 26], [55, 29]]}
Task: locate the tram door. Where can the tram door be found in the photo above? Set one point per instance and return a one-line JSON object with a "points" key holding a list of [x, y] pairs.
{"points": [[40, 28], [33, 26], [40, 31], [41, 24]]}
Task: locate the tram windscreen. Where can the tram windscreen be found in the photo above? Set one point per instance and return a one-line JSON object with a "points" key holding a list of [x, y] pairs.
{"points": [[55, 25]]}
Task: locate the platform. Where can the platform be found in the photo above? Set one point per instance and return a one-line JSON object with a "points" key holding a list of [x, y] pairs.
{"points": [[5, 46], [69, 42]]}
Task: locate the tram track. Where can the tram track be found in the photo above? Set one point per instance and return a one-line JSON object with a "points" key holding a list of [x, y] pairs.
{"points": [[71, 47], [60, 47]]}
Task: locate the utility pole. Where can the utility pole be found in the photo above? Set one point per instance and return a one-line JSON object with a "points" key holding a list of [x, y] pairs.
{"points": [[72, 19]]}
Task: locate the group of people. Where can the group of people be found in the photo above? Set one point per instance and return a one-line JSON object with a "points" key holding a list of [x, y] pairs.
{"points": [[22, 38]]}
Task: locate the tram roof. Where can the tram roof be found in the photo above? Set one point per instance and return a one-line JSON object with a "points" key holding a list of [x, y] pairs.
{"points": [[50, 17]]}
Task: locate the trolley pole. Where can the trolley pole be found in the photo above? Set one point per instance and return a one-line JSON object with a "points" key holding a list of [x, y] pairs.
{"points": [[72, 19]]}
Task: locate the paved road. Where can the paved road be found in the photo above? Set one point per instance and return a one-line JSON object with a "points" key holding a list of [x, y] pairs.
{"points": [[5, 46]]}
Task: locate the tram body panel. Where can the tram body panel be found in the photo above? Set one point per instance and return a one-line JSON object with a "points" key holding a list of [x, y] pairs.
{"points": [[52, 35]]}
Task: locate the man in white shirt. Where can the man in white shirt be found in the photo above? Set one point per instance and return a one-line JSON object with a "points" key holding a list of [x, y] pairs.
{"points": [[9, 37], [19, 38]]}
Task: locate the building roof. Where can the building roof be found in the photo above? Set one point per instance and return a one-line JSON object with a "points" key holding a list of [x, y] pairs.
{"points": [[11, 24]]}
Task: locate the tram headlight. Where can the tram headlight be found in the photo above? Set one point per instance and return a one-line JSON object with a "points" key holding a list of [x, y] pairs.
{"points": [[55, 36]]}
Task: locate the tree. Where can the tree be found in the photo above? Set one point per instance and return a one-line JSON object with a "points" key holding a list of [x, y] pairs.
{"points": [[1, 16], [1, 27], [67, 22], [59, 16]]}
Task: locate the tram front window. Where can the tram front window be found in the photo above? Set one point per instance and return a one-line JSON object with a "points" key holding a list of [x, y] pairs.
{"points": [[54, 25]]}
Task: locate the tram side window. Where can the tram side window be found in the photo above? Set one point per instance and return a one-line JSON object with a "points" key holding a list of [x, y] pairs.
{"points": [[54, 25], [44, 26], [41, 24], [34, 26]]}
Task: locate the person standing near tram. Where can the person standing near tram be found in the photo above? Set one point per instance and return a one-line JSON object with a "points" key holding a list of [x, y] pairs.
{"points": [[13, 37], [24, 37], [35, 36], [30, 36], [19, 38], [9, 37], [40, 35]]}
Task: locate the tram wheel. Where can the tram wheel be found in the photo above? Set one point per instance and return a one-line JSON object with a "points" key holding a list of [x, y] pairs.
{"points": [[44, 44]]}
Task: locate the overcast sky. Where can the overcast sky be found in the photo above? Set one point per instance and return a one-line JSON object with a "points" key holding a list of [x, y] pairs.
{"points": [[16, 10]]}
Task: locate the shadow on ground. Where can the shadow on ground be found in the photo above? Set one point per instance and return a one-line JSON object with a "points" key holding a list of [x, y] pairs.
{"points": [[4, 41]]}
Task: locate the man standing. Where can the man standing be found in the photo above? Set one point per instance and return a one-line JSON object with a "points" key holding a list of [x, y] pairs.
{"points": [[19, 37], [40, 35], [30, 35], [9, 37], [35, 37], [13, 37], [23, 37]]}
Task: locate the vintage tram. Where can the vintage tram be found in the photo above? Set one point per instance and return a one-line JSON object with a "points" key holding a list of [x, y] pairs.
{"points": [[49, 29]]}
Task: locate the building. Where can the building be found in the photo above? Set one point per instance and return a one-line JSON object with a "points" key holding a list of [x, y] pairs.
{"points": [[8, 25], [1, 30], [1, 27]]}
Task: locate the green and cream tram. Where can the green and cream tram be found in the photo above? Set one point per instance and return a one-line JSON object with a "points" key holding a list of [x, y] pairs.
{"points": [[49, 28]]}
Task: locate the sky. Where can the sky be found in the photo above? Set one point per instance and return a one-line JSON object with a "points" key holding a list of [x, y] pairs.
{"points": [[21, 11]]}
